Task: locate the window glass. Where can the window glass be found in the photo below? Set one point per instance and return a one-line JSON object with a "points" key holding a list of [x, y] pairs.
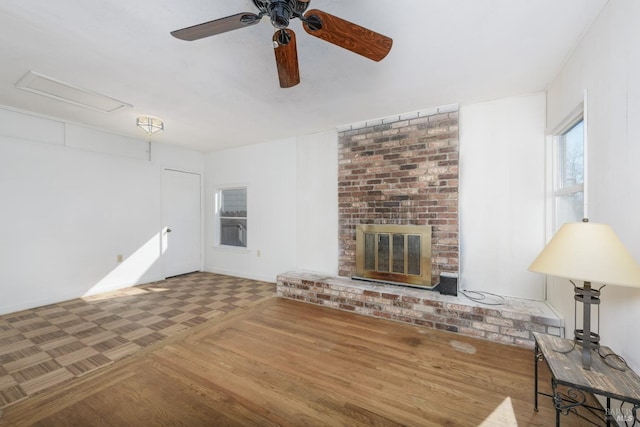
{"points": [[233, 217], [571, 147], [569, 179], [569, 208]]}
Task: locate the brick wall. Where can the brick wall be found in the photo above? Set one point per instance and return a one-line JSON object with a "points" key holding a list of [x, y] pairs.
{"points": [[401, 170]]}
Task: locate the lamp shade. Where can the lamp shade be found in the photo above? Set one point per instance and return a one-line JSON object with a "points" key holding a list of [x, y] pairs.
{"points": [[588, 252]]}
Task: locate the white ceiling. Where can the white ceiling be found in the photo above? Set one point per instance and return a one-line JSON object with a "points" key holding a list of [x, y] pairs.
{"points": [[223, 91]]}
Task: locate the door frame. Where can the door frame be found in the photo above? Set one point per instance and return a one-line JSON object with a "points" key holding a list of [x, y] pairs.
{"points": [[162, 215]]}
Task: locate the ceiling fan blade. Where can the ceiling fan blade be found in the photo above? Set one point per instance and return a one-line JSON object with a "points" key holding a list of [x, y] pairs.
{"points": [[284, 42], [218, 26], [347, 35]]}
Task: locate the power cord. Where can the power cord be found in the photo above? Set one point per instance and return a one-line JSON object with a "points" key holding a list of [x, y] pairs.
{"points": [[618, 359], [620, 364], [481, 297]]}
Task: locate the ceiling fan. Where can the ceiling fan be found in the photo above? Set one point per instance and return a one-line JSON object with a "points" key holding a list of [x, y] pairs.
{"points": [[320, 24]]}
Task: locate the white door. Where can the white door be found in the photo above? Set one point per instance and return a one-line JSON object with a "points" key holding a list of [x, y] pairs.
{"points": [[181, 231]]}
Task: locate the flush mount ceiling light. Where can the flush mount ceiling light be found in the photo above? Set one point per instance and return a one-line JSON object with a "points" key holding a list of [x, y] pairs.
{"points": [[55, 89], [150, 125]]}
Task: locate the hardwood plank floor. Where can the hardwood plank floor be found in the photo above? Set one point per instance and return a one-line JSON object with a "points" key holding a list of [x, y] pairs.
{"points": [[282, 362]]}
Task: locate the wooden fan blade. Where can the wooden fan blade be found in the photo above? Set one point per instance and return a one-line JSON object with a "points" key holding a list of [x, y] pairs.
{"points": [[347, 35], [286, 59], [217, 26]]}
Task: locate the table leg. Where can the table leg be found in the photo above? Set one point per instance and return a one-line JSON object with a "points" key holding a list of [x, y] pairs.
{"points": [[556, 400], [535, 367]]}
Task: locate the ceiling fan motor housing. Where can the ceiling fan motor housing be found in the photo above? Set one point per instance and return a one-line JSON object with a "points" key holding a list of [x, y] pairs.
{"points": [[281, 11]]}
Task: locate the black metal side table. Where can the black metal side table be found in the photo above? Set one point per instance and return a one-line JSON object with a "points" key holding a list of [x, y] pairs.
{"points": [[602, 379]]}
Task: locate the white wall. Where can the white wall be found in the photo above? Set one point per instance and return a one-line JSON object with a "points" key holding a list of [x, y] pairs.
{"points": [[293, 215], [607, 65], [317, 245], [269, 172], [72, 199], [502, 195], [75, 198], [292, 206]]}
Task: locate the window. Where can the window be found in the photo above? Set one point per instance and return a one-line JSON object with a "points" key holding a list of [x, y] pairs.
{"points": [[233, 217], [568, 196]]}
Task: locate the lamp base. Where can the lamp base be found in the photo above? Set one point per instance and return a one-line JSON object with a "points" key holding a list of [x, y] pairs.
{"points": [[593, 341], [588, 343], [592, 344], [585, 337]]}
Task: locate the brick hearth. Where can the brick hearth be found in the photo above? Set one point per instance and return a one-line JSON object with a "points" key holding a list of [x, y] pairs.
{"points": [[510, 323]]}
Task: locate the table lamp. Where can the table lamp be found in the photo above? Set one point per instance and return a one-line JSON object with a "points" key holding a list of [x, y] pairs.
{"points": [[591, 253]]}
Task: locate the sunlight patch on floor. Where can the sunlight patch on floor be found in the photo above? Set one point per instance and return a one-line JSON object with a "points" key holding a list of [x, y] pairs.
{"points": [[462, 347], [503, 415]]}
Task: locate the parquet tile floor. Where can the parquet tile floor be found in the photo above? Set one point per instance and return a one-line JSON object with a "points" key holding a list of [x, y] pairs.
{"points": [[46, 346]]}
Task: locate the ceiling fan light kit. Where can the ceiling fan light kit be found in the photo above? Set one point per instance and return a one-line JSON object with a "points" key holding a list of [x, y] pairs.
{"points": [[317, 23]]}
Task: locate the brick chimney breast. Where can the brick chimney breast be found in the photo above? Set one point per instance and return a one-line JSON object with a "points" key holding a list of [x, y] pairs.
{"points": [[401, 170]]}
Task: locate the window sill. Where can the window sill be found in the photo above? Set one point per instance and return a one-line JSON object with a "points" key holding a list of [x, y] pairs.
{"points": [[234, 249]]}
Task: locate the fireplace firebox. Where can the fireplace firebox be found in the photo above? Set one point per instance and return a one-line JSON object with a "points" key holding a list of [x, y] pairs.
{"points": [[398, 254]]}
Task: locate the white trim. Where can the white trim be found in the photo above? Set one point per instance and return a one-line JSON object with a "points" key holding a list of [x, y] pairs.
{"points": [[162, 219], [585, 154], [216, 212], [242, 274], [574, 116], [61, 91], [577, 114], [233, 249], [548, 186], [569, 190]]}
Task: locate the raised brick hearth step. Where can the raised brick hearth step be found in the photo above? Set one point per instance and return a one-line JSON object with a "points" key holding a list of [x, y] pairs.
{"points": [[512, 322]]}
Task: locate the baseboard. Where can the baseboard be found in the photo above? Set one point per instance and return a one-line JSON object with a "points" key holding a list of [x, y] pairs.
{"points": [[242, 274]]}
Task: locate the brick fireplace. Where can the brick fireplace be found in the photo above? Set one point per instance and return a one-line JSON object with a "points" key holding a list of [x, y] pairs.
{"points": [[401, 170]]}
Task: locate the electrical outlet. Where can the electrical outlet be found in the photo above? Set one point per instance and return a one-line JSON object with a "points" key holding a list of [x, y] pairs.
{"points": [[120, 258], [258, 253]]}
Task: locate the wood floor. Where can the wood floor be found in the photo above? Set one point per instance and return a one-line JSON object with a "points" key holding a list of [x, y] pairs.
{"points": [[282, 362]]}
